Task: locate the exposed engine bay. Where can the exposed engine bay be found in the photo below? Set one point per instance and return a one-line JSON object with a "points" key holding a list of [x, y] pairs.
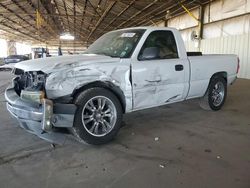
{"points": [[29, 81]]}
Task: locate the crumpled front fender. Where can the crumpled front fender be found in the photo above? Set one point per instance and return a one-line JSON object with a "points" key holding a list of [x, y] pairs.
{"points": [[65, 82]]}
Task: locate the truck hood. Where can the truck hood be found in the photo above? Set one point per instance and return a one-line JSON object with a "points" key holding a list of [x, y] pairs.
{"points": [[51, 64]]}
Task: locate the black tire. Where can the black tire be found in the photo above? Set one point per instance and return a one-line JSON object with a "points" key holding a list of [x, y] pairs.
{"points": [[80, 131], [206, 102]]}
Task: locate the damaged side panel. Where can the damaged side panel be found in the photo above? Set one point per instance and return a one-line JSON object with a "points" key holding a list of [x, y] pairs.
{"points": [[155, 82], [64, 82]]}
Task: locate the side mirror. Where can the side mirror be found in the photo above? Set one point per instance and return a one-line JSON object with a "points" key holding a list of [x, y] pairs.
{"points": [[150, 53]]}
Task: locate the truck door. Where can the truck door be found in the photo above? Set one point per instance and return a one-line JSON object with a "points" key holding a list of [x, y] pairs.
{"points": [[158, 74]]}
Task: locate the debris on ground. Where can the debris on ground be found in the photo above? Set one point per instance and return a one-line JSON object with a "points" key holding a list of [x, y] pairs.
{"points": [[53, 145], [156, 138], [162, 165], [208, 150], [218, 157]]}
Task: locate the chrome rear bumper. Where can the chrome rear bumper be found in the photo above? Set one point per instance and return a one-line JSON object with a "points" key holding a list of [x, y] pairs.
{"points": [[41, 119]]}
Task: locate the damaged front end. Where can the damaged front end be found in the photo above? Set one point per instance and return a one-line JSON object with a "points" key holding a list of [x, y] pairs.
{"points": [[27, 101]]}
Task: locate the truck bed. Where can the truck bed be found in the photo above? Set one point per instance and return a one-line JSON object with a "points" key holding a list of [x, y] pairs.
{"points": [[202, 67]]}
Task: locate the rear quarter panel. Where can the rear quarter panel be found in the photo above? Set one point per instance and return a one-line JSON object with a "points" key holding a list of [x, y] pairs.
{"points": [[202, 68]]}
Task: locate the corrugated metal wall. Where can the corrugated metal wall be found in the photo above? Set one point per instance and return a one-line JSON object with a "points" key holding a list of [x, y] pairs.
{"points": [[237, 44], [223, 32]]}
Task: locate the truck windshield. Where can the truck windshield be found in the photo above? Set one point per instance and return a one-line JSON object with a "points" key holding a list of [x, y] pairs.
{"points": [[117, 43]]}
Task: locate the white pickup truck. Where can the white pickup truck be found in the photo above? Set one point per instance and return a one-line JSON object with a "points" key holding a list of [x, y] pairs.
{"points": [[123, 71]]}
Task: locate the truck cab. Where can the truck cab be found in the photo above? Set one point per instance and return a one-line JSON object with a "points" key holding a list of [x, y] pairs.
{"points": [[160, 69]]}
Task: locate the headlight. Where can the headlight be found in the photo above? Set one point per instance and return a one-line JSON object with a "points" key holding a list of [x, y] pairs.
{"points": [[35, 96]]}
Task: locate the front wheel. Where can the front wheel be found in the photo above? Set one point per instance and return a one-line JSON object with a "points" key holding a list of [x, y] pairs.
{"points": [[98, 116], [216, 94]]}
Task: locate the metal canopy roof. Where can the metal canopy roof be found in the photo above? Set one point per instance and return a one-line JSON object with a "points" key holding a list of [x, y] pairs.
{"points": [[85, 19]]}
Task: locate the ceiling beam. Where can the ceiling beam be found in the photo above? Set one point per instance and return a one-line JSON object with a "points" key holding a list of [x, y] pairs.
{"points": [[59, 12], [93, 15], [101, 18], [79, 16], [66, 12], [152, 12], [8, 9], [51, 31], [118, 15], [146, 17], [19, 17], [74, 8], [95, 8], [139, 12], [48, 6], [31, 16], [161, 15], [19, 31], [83, 15]]}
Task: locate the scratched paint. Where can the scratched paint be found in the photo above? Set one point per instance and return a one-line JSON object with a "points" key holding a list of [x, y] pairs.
{"points": [[67, 73]]}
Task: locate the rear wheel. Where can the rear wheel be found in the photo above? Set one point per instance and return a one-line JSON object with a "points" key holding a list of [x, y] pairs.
{"points": [[216, 94], [98, 116]]}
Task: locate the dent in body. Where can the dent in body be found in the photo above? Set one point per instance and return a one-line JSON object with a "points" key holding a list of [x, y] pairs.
{"points": [[156, 96], [157, 83], [65, 81]]}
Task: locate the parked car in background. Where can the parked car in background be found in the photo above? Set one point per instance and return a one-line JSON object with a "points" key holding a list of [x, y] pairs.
{"points": [[1, 61], [15, 59]]}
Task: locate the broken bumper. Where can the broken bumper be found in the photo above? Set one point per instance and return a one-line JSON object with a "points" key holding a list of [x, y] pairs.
{"points": [[43, 119]]}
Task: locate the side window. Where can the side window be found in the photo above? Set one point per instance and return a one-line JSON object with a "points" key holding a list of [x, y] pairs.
{"points": [[159, 45]]}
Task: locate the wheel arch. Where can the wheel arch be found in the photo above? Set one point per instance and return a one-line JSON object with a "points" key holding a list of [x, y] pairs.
{"points": [[222, 74], [106, 85]]}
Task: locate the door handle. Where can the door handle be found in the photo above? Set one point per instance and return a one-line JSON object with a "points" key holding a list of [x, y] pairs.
{"points": [[179, 67]]}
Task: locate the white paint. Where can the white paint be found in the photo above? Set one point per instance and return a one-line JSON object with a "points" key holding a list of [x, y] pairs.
{"points": [[154, 82], [203, 67], [54, 64]]}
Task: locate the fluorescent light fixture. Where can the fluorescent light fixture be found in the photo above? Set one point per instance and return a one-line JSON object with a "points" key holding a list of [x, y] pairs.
{"points": [[67, 36]]}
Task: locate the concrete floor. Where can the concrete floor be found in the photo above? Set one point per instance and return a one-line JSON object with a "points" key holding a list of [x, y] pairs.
{"points": [[195, 148]]}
